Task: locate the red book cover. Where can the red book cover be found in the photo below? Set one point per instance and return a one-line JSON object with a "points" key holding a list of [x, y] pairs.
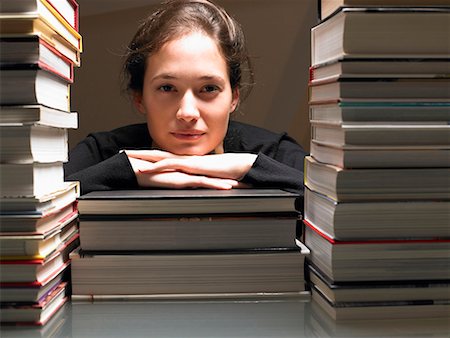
{"points": [[76, 14], [391, 241]]}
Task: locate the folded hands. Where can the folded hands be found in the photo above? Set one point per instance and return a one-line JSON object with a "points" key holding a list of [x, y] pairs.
{"points": [[155, 168]]}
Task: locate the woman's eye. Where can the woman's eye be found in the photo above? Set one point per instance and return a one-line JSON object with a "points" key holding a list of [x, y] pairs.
{"points": [[166, 88], [210, 89]]}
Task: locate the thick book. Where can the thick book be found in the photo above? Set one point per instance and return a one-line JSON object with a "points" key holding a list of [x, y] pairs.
{"points": [[193, 201], [378, 260], [376, 184], [35, 313], [378, 291], [37, 271], [37, 223], [354, 90], [405, 33], [195, 232], [34, 50], [15, 69], [29, 246], [369, 111], [32, 46], [354, 68], [382, 310], [34, 86], [47, 20], [411, 134], [180, 273], [67, 9], [33, 143], [40, 205], [365, 220], [38, 114], [30, 179], [354, 156], [328, 7]]}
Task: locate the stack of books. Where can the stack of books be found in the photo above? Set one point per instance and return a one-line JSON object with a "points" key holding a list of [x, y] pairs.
{"points": [[377, 205], [188, 244], [39, 47]]}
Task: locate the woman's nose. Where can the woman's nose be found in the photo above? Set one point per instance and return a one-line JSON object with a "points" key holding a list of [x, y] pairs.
{"points": [[188, 110]]}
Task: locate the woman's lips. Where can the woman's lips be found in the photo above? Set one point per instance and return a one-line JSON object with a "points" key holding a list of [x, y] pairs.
{"points": [[188, 134]]}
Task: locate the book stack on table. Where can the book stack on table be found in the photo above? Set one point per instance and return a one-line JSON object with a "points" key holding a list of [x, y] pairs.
{"points": [[377, 205], [188, 244], [39, 48]]}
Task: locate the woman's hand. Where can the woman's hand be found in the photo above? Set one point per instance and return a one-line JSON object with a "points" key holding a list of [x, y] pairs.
{"points": [[229, 165], [176, 179]]}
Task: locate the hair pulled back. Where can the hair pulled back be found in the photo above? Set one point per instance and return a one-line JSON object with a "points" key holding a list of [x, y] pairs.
{"points": [[178, 17]]}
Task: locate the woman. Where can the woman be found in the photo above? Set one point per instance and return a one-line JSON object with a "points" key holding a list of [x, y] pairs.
{"points": [[185, 75]]}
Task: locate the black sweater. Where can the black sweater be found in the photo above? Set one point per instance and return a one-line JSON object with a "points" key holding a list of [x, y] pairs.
{"points": [[98, 165]]}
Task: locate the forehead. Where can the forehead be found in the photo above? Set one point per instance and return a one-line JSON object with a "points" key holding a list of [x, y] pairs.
{"points": [[194, 51], [192, 41]]}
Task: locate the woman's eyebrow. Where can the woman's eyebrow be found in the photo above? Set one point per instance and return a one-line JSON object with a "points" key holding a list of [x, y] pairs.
{"points": [[169, 76], [164, 76]]}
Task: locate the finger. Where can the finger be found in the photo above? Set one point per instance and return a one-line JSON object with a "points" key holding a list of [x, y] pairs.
{"points": [[180, 180], [194, 165], [212, 183], [139, 165], [149, 155], [179, 164]]}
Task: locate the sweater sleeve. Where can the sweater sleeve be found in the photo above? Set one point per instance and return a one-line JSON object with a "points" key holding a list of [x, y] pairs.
{"points": [[279, 165], [96, 169], [269, 173]]}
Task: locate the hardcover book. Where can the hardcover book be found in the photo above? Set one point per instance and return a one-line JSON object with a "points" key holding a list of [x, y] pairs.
{"points": [[214, 273], [391, 134], [354, 68], [181, 232], [38, 114], [378, 291], [30, 179], [382, 310], [37, 223], [37, 271], [364, 220], [31, 49], [194, 201], [40, 205], [347, 34], [35, 313], [30, 246], [31, 293], [328, 7], [34, 86], [354, 90], [361, 156], [47, 20], [378, 260], [66, 9], [370, 111], [376, 184], [33, 143]]}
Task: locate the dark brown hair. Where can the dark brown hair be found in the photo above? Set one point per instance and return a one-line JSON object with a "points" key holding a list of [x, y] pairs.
{"points": [[178, 17]]}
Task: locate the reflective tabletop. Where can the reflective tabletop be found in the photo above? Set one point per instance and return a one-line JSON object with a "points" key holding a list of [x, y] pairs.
{"points": [[274, 318]]}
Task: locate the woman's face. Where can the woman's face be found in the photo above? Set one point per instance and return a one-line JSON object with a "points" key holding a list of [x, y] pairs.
{"points": [[186, 97]]}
